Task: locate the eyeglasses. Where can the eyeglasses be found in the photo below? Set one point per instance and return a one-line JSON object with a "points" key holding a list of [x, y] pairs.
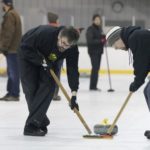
{"points": [[65, 44]]}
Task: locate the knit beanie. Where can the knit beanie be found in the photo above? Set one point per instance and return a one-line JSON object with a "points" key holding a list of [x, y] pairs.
{"points": [[113, 35]]}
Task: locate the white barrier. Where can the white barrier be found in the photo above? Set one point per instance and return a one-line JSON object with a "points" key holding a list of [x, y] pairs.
{"points": [[118, 61]]}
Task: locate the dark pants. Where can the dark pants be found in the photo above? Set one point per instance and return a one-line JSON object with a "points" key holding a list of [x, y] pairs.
{"points": [[95, 62], [58, 73], [38, 87], [13, 75], [147, 94]]}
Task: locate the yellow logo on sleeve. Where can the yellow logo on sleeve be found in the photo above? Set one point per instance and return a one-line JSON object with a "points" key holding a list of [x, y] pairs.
{"points": [[52, 57]]}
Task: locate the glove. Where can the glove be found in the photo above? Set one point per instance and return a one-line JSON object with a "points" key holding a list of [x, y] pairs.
{"points": [[133, 87], [103, 39], [73, 103]]}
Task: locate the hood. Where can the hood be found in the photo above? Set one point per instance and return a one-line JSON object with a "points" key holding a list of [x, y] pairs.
{"points": [[126, 32]]}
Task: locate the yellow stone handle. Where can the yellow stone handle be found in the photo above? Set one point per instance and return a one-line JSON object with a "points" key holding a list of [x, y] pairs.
{"points": [[105, 121]]}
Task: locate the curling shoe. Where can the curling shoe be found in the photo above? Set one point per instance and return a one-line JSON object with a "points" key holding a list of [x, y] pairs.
{"points": [[32, 130]]}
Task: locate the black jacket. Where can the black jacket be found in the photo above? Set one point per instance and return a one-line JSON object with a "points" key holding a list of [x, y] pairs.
{"points": [[138, 41], [43, 40], [94, 39]]}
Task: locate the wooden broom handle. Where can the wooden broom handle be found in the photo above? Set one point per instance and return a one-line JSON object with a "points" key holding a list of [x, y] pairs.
{"points": [[119, 113], [68, 98]]}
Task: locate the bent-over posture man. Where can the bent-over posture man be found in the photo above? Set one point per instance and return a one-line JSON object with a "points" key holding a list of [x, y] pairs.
{"points": [[41, 49], [134, 40]]}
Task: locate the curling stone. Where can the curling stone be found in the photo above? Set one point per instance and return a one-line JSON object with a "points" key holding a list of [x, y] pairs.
{"points": [[103, 127]]}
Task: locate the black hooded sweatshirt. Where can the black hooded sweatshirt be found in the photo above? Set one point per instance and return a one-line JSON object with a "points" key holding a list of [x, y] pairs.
{"points": [[137, 40], [42, 41]]}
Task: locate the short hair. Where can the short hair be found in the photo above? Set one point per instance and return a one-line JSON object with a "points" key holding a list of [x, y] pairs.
{"points": [[52, 17], [71, 33]]}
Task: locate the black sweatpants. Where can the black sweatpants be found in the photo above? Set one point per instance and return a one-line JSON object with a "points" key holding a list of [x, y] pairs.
{"points": [[95, 62], [38, 88]]}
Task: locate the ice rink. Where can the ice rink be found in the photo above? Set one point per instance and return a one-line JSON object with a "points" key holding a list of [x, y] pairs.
{"points": [[65, 131]]}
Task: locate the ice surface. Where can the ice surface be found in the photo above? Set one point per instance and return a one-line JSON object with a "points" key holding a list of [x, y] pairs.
{"points": [[66, 131]]}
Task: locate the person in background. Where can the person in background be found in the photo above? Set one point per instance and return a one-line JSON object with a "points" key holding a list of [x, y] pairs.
{"points": [[136, 41], [53, 20], [10, 36], [95, 42]]}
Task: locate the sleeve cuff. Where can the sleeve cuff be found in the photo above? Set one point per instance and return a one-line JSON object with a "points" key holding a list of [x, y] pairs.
{"points": [[74, 93]]}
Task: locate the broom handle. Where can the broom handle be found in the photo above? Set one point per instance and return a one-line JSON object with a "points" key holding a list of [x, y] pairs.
{"points": [[68, 98], [108, 68], [119, 113]]}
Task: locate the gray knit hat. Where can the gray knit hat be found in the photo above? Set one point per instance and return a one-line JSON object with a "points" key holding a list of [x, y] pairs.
{"points": [[52, 18], [113, 35]]}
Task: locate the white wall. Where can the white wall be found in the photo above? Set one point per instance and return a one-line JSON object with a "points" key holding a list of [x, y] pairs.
{"points": [[118, 59]]}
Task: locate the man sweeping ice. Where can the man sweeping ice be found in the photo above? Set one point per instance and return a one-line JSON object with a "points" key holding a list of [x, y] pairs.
{"points": [[40, 50], [136, 41]]}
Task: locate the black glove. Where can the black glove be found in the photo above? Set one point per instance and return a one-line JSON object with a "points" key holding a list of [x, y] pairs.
{"points": [[133, 87], [73, 103]]}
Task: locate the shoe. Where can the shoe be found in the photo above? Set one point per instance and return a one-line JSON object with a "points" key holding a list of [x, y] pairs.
{"points": [[44, 129], [95, 89], [4, 97], [31, 130], [57, 98], [12, 98], [148, 137], [147, 133], [45, 122]]}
